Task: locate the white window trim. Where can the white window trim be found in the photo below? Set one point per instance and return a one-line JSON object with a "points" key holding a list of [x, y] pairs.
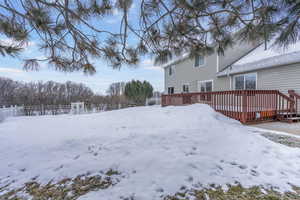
{"points": [[256, 77], [199, 84], [188, 84], [201, 65]]}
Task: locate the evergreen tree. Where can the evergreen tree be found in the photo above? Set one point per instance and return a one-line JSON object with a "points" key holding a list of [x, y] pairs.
{"points": [[138, 92]]}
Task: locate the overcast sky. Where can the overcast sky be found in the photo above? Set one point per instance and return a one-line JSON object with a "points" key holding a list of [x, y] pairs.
{"points": [[99, 82]]}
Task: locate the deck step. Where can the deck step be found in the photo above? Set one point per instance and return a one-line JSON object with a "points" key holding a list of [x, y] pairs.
{"points": [[290, 115], [290, 119]]}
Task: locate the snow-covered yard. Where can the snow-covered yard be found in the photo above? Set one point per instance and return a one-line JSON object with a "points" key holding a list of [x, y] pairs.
{"points": [[156, 150]]}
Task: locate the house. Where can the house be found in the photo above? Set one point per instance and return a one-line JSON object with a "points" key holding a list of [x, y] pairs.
{"points": [[244, 66], [248, 83]]}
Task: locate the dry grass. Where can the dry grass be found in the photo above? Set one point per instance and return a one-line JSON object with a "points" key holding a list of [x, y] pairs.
{"points": [[283, 139], [235, 193], [66, 189]]}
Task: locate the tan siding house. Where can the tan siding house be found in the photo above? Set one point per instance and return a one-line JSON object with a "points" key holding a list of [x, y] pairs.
{"points": [[244, 66]]}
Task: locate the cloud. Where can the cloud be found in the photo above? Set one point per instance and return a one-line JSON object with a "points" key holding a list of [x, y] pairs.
{"points": [[10, 70], [149, 64]]}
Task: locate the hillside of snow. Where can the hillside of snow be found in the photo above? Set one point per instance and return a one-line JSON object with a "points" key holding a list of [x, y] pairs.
{"points": [[157, 151]]}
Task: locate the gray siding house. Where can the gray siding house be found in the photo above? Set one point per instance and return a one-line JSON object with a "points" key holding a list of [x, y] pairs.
{"points": [[244, 66]]}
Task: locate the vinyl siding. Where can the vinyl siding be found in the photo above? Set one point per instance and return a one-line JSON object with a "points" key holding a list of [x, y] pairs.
{"points": [[282, 78], [222, 83], [186, 73]]}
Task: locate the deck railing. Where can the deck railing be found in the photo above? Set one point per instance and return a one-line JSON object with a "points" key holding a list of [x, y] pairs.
{"points": [[243, 105]]}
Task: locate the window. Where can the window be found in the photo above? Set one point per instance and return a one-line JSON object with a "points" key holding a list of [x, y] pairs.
{"points": [[170, 90], [199, 60], [171, 70], [185, 88], [206, 86], [239, 82], [245, 82]]}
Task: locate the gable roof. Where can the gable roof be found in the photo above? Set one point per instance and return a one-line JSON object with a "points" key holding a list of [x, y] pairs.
{"points": [[261, 59]]}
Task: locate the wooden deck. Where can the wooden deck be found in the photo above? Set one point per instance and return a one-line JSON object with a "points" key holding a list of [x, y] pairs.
{"points": [[247, 106]]}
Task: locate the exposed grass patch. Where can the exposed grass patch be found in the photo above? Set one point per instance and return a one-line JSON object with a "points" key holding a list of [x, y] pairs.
{"points": [[235, 193], [283, 139], [66, 189]]}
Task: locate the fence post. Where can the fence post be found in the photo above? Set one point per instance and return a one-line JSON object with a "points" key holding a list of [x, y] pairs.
{"points": [[244, 106]]}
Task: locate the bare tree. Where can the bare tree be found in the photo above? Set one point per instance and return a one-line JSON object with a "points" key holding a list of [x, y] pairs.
{"points": [[116, 95], [48, 93]]}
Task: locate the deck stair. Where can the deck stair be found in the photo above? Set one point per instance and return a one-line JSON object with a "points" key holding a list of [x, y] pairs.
{"points": [[290, 118], [294, 115]]}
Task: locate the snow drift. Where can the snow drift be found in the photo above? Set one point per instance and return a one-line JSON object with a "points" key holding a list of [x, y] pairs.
{"points": [[157, 150]]}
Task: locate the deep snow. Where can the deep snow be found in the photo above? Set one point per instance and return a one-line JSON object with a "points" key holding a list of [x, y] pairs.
{"points": [[157, 150]]}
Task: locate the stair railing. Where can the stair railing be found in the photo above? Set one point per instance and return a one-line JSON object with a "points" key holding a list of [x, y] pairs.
{"points": [[295, 97], [285, 105]]}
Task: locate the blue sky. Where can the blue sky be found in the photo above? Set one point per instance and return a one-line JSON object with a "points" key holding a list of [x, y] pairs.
{"points": [[99, 82]]}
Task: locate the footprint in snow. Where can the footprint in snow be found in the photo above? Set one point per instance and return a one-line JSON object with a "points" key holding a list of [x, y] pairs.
{"points": [[58, 168], [35, 178], [243, 166], [191, 152], [190, 179], [160, 190], [23, 169], [76, 157], [254, 172], [219, 167], [233, 163], [192, 165], [283, 173]]}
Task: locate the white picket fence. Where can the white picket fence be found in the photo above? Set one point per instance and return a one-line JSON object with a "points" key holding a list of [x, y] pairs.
{"points": [[74, 108], [11, 111]]}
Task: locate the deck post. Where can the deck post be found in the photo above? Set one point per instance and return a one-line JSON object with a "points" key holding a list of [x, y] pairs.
{"points": [[244, 106]]}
